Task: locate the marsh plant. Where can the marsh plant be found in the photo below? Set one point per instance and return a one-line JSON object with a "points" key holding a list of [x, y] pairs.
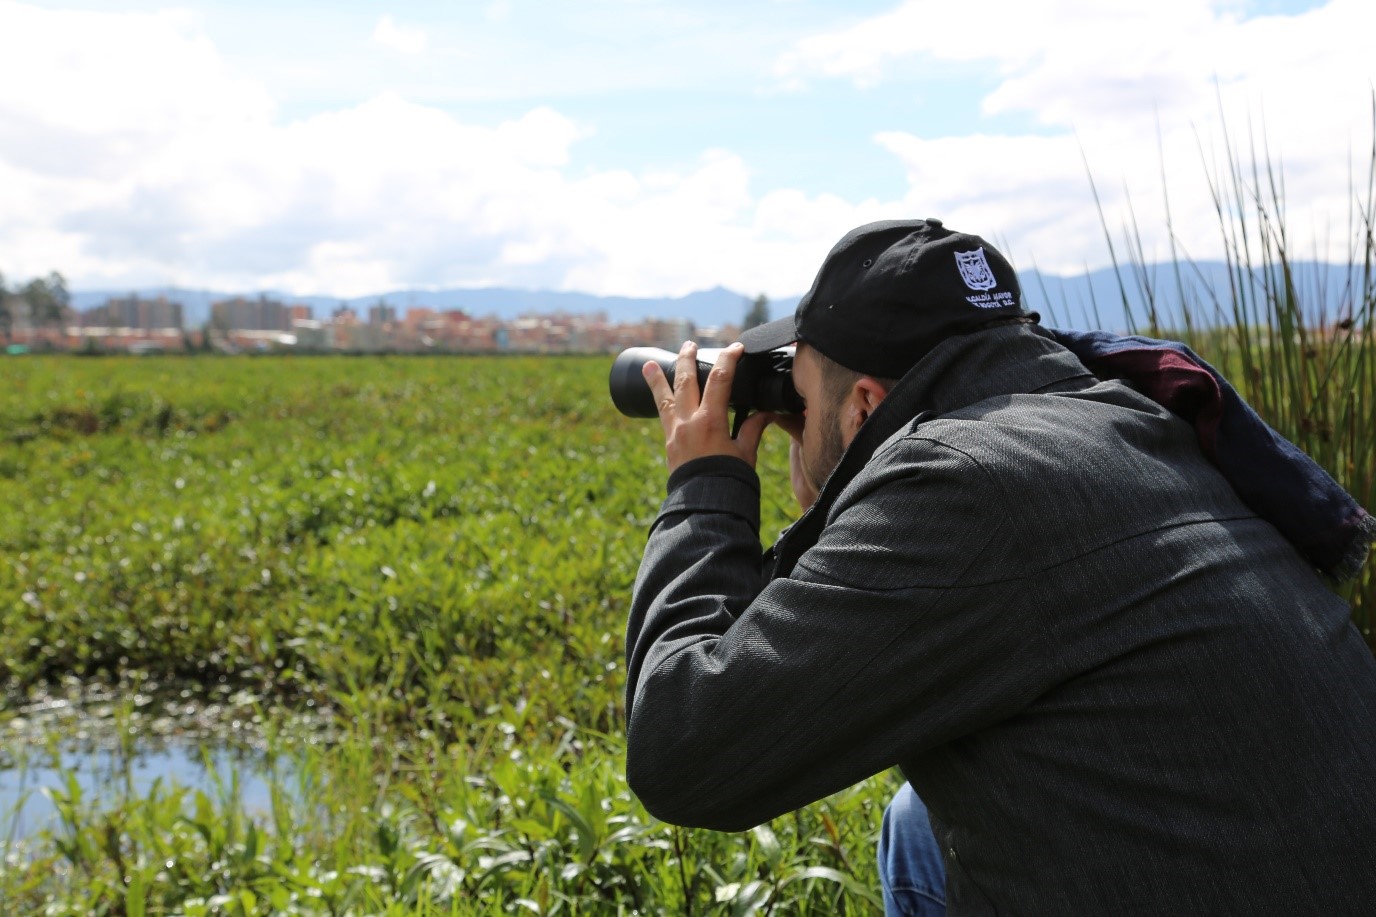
{"points": [[1295, 337]]}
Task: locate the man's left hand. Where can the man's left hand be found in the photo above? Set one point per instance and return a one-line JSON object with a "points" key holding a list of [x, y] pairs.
{"points": [[699, 425]]}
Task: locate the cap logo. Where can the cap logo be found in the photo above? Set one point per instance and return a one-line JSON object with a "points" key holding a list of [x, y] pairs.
{"points": [[975, 270]]}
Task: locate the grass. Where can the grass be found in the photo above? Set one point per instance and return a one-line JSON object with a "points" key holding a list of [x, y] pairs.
{"points": [[435, 553]]}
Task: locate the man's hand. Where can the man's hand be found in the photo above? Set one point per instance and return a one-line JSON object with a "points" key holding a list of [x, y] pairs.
{"points": [[803, 488], [697, 426]]}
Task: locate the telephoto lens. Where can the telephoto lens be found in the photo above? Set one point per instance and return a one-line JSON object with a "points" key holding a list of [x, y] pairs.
{"points": [[764, 381]]}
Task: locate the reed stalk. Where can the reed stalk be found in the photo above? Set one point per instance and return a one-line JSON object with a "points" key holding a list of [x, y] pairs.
{"points": [[1298, 346]]}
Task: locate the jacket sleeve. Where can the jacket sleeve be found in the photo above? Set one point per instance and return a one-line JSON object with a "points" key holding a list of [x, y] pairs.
{"points": [[894, 634]]}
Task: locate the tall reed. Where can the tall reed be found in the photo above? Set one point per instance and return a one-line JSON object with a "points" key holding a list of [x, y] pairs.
{"points": [[1297, 339]]}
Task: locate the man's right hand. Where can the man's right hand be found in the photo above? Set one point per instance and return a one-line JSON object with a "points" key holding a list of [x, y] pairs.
{"points": [[697, 424], [803, 488]]}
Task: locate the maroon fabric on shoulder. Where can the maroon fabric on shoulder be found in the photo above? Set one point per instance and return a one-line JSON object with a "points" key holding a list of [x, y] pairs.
{"points": [[1175, 382], [1271, 474]]}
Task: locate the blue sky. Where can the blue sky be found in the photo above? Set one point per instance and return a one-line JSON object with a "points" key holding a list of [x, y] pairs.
{"points": [[642, 147]]}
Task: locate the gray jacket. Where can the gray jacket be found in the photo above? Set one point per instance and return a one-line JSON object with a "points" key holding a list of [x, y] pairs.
{"points": [[1115, 688]]}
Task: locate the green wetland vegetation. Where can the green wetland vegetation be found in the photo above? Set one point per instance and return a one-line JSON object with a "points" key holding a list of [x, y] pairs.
{"points": [[406, 579]]}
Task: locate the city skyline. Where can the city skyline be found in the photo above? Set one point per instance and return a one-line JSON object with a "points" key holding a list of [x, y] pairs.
{"points": [[143, 325]]}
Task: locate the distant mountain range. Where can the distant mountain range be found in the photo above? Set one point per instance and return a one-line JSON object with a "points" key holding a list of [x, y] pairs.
{"points": [[1208, 292], [1093, 300]]}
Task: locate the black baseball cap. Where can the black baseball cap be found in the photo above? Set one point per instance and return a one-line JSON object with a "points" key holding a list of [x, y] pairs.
{"points": [[889, 292]]}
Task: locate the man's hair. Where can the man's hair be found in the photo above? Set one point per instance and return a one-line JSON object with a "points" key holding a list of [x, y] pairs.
{"points": [[838, 380]]}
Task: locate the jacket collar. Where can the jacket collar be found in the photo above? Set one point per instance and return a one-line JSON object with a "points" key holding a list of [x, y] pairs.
{"points": [[959, 372], [970, 368]]}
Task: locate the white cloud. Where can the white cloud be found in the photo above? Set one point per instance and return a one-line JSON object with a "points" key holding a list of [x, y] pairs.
{"points": [[81, 94], [1009, 34], [981, 184], [407, 40], [122, 175], [1141, 87]]}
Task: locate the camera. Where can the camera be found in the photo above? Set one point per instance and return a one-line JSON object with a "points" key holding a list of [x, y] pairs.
{"points": [[764, 381]]}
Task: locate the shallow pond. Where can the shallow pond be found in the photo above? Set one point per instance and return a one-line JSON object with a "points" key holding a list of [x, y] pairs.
{"points": [[118, 746], [110, 774]]}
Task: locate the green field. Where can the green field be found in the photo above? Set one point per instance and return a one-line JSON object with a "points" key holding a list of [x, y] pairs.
{"points": [[436, 553]]}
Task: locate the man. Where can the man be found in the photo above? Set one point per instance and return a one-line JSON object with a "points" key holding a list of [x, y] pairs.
{"points": [[1114, 687]]}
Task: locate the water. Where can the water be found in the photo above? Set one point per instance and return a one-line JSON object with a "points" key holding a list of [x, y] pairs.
{"points": [[119, 749], [113, 775]]}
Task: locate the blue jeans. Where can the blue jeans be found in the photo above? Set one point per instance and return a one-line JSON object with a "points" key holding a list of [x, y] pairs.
{"points": [[911, 871]]}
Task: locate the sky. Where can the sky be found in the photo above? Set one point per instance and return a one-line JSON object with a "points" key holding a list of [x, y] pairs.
{"points": [[646, 148]]}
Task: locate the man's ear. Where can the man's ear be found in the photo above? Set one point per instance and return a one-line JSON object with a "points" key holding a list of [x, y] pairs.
{"points": [[864, 397]]}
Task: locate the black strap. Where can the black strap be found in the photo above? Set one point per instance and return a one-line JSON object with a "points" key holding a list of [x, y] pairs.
{"points": [[738, 422]]}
